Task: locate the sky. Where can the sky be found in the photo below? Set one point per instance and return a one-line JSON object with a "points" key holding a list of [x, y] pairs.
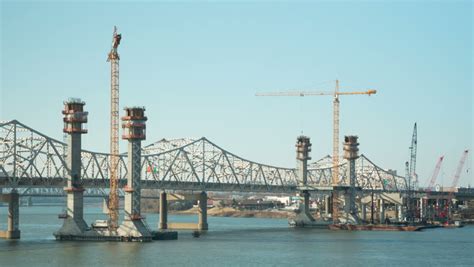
{"points": [[196, 67]]}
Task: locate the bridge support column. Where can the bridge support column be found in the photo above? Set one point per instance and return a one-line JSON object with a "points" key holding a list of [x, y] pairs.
{"points": [[303, 147], [163, 211], [304, 208], [13, 231], [133, 227], [29, 201], [327, 205], [13, 218], [381, 205], [397, 212], [351, 154], [422, 209], [74, 118], [364, 212], [202, 223]]}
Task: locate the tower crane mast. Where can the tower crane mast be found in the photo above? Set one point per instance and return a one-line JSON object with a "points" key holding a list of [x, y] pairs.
{"points": [[335, 157], [414, 141], [114, 58]]}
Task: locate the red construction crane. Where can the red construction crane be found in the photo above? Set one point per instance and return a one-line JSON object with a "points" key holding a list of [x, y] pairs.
{"points": [[435, 174], [457, 175], [431, 184]]}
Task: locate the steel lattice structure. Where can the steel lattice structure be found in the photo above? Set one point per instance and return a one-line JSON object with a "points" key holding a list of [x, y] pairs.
{"points": [[30, 159]]}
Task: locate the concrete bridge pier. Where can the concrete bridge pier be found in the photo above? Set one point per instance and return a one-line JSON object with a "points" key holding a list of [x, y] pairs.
{"points": [[202, 222], [423, 209], [13, 219], [327, 205], [350, 213], [364, 212], [398, 212], [303, 147], [381, 208], [133, 227], [74, 118], [163, 224]]}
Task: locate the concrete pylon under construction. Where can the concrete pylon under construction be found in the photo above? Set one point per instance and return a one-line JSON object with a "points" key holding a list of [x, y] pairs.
{"points": [[74, 119], [303, 147], [133, 227], [351, 154]]}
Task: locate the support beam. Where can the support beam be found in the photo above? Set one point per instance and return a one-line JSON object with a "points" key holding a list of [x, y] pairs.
{"points": [[327, 205], [382, 210], [364, 212], [399, 212], [163, 211], [202, 223], [422, 209], [13, 217]]}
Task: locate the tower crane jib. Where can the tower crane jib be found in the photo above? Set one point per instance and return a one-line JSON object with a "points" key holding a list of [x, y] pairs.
{"points": [[336, 103]]}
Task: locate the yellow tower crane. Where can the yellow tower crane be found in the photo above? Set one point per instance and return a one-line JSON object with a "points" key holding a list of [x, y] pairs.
{"points": [[335, 157], [113, 58]]}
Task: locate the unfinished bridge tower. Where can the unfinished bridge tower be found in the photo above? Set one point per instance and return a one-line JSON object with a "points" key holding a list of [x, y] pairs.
{"points": [[351, 154], [133, 227], [74, 119], [303, 147]]}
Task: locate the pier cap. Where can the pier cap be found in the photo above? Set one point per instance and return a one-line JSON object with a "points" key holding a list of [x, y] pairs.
{"points": [[133, 123], [74, 116]]}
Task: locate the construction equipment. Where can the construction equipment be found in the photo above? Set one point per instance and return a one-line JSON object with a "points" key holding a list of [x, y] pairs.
{"points": [[113, 58], [335, 156], [412, 148], [409, 202], [435, 174], [456, 177], [431, 184]]}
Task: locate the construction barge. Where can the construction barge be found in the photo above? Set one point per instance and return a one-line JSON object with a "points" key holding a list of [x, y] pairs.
{"points": [[391, 227], [381, 227]]}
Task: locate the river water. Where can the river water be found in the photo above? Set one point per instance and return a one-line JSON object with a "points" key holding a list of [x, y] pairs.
{"points": [[235, 242]]}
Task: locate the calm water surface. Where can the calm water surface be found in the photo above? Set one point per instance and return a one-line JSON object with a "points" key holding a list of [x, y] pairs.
{"points": [[235, 242]]}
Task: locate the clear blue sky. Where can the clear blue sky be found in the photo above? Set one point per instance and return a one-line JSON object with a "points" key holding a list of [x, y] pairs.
{"points": [[197, 66]]}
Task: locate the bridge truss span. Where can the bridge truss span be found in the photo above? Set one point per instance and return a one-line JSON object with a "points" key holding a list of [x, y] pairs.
{"points": [[30, 159], [202, 163], [369, 176]]}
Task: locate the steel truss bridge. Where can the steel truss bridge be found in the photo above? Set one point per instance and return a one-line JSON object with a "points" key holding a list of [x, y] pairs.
{"points": [[35, 165]]}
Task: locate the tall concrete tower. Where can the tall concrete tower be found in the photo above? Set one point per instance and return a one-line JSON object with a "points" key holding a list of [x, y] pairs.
{"points": [[303, 147], [74, 119], [134, 130], [351, 154]]}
